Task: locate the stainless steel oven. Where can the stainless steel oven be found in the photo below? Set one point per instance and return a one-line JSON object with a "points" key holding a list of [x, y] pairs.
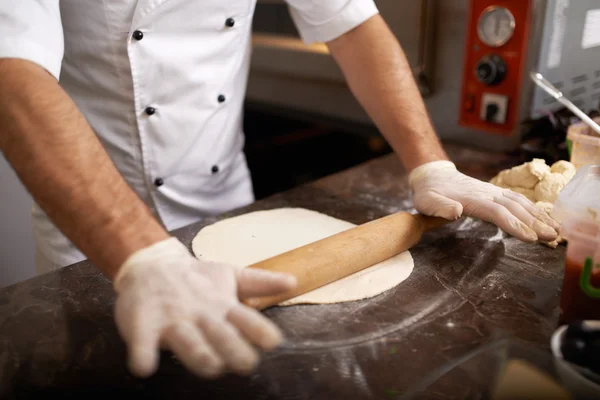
{"points": [[444, 44], [289, 74]]}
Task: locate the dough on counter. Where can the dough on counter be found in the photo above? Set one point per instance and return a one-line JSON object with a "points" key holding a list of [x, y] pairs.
{"points": [[549, 181], [524, 176], [256, 236], [536, 180], [549, 188], [564, 168]]}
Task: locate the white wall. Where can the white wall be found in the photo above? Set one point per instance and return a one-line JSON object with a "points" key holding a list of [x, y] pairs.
{"points": [[17, 250]]}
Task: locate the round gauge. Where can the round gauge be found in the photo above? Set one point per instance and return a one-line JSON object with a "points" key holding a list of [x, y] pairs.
{"points": [[496, 26]]}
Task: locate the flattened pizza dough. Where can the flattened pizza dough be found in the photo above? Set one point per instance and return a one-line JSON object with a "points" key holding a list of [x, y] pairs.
{"points": [[256, 236]]}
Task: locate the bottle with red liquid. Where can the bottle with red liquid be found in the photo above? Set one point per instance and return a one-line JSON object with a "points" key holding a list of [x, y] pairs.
{"points": [[580, 297], [578, 210]]}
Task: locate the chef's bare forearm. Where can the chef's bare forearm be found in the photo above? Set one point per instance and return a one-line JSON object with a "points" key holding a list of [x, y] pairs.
{"points": [[380, 77], [65, 168]]}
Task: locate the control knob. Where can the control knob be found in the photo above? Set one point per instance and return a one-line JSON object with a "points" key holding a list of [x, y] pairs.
{"points": [[491, 69]]}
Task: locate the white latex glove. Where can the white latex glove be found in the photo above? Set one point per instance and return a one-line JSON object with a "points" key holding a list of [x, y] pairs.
{"points": [[169, 299], [440, 190]]}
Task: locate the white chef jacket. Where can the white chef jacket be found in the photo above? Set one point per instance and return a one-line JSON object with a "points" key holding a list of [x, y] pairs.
{"points": [[162, 84]]}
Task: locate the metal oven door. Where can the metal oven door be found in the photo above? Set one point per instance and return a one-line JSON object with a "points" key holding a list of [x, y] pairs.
{"points": [[288, 74]]}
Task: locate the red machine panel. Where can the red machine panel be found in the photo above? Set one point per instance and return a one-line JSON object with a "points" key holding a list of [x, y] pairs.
{"points": [[495, 57]]}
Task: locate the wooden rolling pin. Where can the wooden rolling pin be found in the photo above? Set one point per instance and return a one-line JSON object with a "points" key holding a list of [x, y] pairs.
{"points": [[335, 257]]}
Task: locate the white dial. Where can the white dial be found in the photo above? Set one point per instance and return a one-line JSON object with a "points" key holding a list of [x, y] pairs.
{"points": [[496, 26]]}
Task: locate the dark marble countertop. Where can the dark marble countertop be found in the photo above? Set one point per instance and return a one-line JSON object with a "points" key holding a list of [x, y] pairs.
{"points": [[475, 298]]}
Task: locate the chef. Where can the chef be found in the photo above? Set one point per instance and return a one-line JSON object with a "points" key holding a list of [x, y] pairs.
{"points": [[123, 119]]}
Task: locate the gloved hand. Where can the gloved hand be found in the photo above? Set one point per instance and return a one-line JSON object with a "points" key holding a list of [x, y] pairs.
{"points": [[440, 190], [169, 299]]}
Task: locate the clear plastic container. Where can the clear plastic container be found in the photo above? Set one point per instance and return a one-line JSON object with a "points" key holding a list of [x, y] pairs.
{"points": [[578, 211], [584, 145]]}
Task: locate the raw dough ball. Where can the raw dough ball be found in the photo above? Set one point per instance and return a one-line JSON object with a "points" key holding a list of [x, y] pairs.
{"points": [[539, 183], [536, 180], [538, 168], [524, 176], [256, 236], [549, 188], [564, 168]]}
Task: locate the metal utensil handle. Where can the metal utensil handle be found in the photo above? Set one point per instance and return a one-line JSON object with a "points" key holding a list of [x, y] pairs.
{"points": [[558, 95]]}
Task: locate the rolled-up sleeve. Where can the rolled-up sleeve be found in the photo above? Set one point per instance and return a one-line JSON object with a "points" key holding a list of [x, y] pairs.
{"points": [[32, 30], [325, 20]]}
